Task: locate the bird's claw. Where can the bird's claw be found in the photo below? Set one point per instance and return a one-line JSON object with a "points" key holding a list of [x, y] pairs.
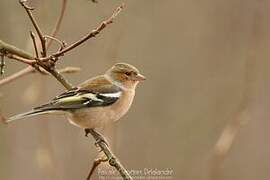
{"points": [[87, 131], [100, 138]]}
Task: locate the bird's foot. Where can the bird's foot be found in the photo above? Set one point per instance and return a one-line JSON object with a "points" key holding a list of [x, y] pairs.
{"points": [[99, 138], [87, 131]]}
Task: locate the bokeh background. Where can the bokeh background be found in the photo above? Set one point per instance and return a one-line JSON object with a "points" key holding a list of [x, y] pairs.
{"points": [[207, 64]]}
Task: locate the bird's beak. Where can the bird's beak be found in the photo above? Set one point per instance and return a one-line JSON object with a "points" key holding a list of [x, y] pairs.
{"points": [[140, 77]]}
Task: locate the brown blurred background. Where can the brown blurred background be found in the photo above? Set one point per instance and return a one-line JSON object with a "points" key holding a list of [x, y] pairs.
{"points": [[204, 60]]}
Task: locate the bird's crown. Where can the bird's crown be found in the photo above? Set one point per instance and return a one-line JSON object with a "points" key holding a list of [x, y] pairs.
{"points": [[124, 68]]}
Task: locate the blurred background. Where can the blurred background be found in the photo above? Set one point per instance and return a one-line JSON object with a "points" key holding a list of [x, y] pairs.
{"points": [[206, 63]]}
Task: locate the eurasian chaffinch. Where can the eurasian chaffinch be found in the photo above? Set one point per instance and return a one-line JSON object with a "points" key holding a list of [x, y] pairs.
{"points": [[96, 101]]}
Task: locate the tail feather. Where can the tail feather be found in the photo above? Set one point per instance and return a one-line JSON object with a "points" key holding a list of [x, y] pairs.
{"points": [[25, 115]]}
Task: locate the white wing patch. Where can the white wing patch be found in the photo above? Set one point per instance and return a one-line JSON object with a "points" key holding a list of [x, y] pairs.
{"points": [[112, 95], [91, 96]]}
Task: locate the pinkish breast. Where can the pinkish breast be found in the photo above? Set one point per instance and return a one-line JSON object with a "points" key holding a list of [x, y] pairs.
{"points": [[94, 117]]}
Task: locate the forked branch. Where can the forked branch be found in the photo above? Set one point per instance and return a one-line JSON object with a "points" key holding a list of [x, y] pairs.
{"points": [[29, 10], [89, 35]]}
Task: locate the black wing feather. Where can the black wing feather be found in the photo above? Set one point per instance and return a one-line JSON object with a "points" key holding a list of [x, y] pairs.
{"points": [[83, 102]]}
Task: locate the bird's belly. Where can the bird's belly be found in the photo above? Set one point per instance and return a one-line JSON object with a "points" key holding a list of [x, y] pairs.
{"points": [[90, 117], [100, 116]]}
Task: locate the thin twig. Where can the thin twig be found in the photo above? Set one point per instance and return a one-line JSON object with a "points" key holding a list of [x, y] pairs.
{"points": [[2, 64], [96, 163], [28, 10], [66, 70], [20, 59], [61, 43], [8, 48], [34, 43], [69, 70], [19, 52], [17, 75], [60, 78], [29, 70], [58, 22], [92, 34], [27, 56]]}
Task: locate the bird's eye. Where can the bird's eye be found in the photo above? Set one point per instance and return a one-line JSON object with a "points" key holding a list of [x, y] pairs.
{"points": [[128, 73]]}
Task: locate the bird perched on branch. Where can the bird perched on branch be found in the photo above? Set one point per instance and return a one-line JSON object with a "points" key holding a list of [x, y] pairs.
{"points": [[95, 102]]}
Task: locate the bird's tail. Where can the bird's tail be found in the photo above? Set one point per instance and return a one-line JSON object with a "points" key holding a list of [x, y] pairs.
{"points": [[26, 115]]}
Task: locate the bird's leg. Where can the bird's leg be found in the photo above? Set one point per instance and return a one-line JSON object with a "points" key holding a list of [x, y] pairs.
{"points": [[87, 131], [98, 137]]}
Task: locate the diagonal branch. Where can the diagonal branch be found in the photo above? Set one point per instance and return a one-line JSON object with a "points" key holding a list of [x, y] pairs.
{"points": [[30, 70], [17, 75], [14, 50], [10, 49], [2, 63], [34, 43], [91, 34], [62, 44], [96, 163], [113, 161], [58, 22], [21, 53], [28, 10], [20, 59]]}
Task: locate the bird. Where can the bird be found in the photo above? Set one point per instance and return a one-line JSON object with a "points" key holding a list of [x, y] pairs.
{"points": [[96, 102]]}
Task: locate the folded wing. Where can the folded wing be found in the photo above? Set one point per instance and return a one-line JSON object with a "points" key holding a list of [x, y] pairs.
{"points": [[78, 98]]}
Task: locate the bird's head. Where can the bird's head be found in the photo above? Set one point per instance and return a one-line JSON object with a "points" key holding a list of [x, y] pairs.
{"points": [[125, 75]]}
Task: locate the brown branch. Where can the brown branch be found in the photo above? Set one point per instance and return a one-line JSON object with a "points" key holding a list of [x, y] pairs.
{"points": [[14, 50], [21, 53], [30, 70], [91, 34], [66, 70], [28, 10], [113, 161], [2, 63], [58, 22], [8, 48], [96, 163], [69, 70], [17, 75], [61, 43], [60, 78], [20, 59], [34, 43]]}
